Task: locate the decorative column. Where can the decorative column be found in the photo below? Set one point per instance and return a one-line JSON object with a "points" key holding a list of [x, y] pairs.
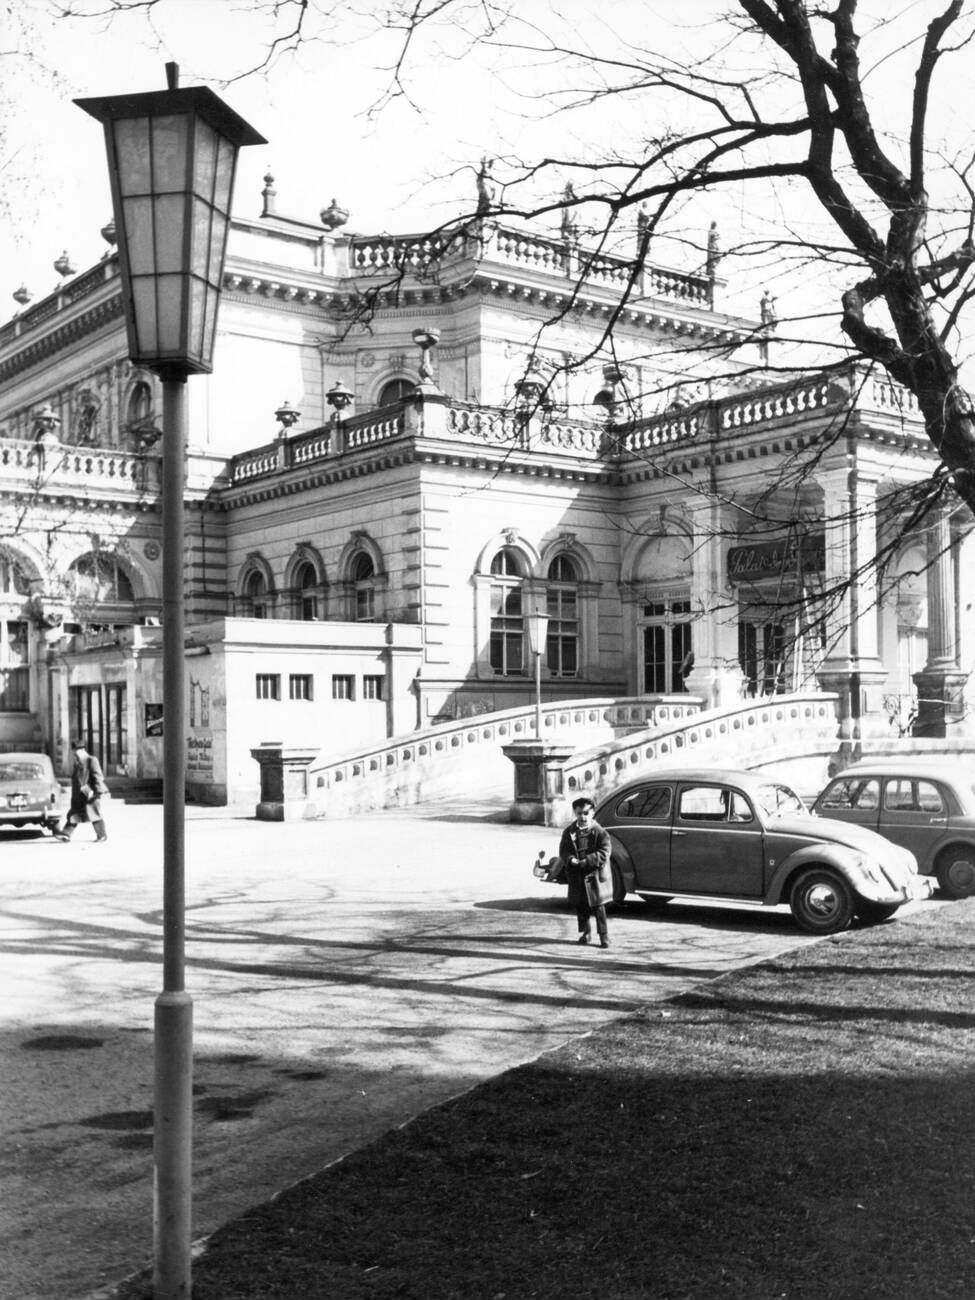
{"points": [[539, 781], [940, 683], [716, 675], [284, 781], [852, 668]]}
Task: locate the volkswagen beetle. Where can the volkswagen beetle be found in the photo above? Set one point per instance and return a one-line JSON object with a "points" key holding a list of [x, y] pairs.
{"points": [[745, 836]]}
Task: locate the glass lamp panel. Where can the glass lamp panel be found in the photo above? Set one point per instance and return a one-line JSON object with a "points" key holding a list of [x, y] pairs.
{"points": [[200, 245], [204, 158], [218, 244], [223, 180], [132, 154], [169, 233], [144, 303], [209, 325], [137, 235], [170, 140], [197, 316], [169, 297]]}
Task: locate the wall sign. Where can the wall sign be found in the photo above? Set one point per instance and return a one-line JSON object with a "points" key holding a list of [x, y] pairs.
{"points": [[785, 558]]}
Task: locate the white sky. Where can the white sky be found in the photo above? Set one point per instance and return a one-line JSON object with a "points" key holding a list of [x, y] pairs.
{"points": [[395, 171]]}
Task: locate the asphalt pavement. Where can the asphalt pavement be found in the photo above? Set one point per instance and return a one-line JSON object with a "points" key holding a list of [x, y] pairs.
{"points": [[346, 975]]}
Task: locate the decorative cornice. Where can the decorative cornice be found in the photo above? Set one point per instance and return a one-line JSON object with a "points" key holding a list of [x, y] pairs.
{"points": [[87, 322]]}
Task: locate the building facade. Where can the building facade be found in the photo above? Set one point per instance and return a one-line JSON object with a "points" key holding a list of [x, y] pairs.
{"points": [[407, 446]]}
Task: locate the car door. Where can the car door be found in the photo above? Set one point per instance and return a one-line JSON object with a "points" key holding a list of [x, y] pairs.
{"points": [[640, 822], [914, 813], [854, 799], [717, 842]]}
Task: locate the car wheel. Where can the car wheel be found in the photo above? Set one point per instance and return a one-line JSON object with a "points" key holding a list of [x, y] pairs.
{"points": [[619, 889], [873, 913], [821, 901], [956, 872]]}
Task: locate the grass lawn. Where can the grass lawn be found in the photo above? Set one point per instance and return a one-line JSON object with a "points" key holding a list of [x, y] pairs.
{"points": [[803, 1129]]}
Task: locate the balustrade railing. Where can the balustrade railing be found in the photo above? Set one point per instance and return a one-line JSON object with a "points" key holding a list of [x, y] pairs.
{"points": [[491, 730], [92, 467]]}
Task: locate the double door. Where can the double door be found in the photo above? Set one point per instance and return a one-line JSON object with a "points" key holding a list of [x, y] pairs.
{"points": [[98, 715]]}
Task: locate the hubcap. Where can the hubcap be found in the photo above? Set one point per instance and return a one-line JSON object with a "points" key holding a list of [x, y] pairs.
{"points": [[961, 873], [822, 900]]}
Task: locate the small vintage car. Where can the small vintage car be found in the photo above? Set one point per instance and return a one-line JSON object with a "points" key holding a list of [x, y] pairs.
{"points": [[747, 837], [30, 793], [927, 807]]}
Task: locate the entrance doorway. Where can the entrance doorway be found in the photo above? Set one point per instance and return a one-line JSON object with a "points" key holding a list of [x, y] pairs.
{"points": [[666, 646], [98, 715]]}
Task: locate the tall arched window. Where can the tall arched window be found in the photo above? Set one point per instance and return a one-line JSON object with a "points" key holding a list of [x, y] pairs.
{"points": [[562, 607], [254, 596], [305, 589], [140, 403], [395, 390], [362, 575], [13, 580], [507, 613], [99, 579]]}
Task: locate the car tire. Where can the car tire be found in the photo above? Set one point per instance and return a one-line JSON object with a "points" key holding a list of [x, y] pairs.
{"points": [[821, 901], [871, 913], [955, 870]]}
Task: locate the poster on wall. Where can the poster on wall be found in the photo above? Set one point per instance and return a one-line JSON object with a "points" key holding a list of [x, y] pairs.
{"points": [[154, 720]]}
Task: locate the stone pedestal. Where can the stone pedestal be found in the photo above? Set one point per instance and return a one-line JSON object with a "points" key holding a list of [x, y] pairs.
{"points": [[284, 781], [539, 783], [940, 700]]}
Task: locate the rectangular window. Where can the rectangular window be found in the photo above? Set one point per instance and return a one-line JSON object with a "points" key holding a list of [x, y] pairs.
{"points": [[268, 686], [374, 688], [343, 686], [301, 686]]}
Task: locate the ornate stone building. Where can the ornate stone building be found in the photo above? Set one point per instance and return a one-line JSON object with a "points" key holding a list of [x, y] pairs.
{"points": [[407, 445]]}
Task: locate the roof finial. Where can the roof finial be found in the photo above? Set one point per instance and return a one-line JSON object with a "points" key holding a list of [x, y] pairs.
{"points": [[268, 194]]}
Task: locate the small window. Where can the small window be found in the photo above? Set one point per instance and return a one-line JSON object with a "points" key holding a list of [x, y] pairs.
{"points": [[853, 792], [374, 688], [395, 391], [902, 794], [705, 803], [301, 686], [342, 686], [651, 802], [268, 686]]}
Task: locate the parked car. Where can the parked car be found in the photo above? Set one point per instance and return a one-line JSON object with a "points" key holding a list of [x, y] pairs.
{"points": [[30, 793], [747, 837], [926, 807]]}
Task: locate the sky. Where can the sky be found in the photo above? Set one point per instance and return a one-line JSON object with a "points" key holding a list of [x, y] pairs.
{"points": [[401, 167]]}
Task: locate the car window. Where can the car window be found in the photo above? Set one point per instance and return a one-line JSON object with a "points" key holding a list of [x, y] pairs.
{"points": [[780, 801], [709, 803], [652, 801], [853, 792], [903, 794], [21, 772]]}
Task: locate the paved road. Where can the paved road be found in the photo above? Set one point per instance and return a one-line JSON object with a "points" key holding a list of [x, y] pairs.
{"points": [[345, 976]]}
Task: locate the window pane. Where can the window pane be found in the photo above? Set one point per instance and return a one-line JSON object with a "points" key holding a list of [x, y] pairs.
{"points": [[169, 153], [132, 147], [929, 798]]}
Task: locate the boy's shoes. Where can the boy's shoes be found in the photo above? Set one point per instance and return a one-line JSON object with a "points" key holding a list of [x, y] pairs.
{"points": [[583, 938]]}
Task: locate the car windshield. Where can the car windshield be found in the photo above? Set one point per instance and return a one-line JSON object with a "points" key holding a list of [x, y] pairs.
{"points": [[20, 772], [777, 800]]}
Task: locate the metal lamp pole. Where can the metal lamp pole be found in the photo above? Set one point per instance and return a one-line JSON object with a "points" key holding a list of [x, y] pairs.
{"points": [[171, 158], [537, 635]]}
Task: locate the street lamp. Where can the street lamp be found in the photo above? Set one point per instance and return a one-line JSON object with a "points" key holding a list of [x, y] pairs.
{"points": [[537, 636], [172, 155]]}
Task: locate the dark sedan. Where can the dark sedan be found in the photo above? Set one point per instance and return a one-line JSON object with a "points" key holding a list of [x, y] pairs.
{"points": [[927, 807], [29, 791], [744, 836]]}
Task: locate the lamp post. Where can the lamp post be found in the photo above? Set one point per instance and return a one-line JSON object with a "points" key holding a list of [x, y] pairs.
{"points": [[537, 635], [172, 155]]}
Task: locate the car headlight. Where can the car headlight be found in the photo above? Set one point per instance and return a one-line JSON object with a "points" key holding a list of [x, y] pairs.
{"points": [[870, 867]]}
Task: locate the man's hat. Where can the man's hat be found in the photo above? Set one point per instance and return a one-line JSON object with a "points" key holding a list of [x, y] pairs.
{"points": [[582, 802], [79, 743]]}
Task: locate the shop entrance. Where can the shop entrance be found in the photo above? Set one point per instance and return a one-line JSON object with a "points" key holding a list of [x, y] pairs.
{"points": [[98, 716]]}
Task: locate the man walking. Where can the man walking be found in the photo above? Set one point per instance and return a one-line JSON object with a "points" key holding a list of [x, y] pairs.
{"points": [[584, 850], [87, 788]]}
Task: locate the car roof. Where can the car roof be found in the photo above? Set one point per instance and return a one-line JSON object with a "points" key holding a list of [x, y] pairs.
{"points": [[24, 756], [909, 767], [711, 775]]}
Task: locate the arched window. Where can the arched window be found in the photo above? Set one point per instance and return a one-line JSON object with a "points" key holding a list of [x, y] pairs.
{"points": [[13, 580], [562, 607], [99, 579], [305, 591], [362, 574], [140, 403], [395, 390], [507, 613], [254, 595]]}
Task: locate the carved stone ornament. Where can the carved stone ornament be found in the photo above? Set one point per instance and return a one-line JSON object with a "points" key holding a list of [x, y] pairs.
{"points": [[152, 550]]}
